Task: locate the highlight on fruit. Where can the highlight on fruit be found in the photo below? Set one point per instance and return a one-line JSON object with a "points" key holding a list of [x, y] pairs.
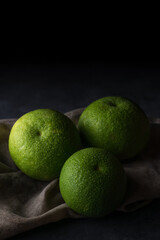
{"points": [[41, 141], [45, 144], [116, 124], [93, 182]]}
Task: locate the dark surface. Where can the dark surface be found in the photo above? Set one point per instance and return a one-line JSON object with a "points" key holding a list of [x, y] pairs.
{"points": [[141, 224], [66, 86]]}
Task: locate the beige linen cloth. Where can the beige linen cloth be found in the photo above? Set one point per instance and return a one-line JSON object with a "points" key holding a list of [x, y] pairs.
{"points": [[26, 203]]}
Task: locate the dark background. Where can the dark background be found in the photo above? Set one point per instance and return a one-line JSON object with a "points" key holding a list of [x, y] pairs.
{"points": [[31, 82], [64, 82]]}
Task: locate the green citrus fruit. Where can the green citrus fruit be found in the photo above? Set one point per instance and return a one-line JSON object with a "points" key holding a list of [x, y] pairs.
{"points": [[116, 124], [93, 182], [41, 141]]}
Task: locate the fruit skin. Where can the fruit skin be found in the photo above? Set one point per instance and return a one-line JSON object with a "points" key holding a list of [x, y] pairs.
{"points": [[116, 124], [93, 182], [41, 141]]}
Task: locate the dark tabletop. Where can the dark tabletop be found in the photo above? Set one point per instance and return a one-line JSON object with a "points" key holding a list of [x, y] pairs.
{"points": [[64, 86]]}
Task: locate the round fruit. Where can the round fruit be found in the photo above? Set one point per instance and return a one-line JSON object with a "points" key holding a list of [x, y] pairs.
{"points": [[41, 141], [93, 182], [115, 124]]}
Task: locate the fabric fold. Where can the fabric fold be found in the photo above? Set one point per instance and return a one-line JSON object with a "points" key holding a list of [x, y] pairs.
{"points": [[26, 203]]}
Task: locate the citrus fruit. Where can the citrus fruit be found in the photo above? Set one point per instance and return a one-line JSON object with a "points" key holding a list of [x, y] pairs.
{"points": [[115, 123], [92, 182], [41, 141]]}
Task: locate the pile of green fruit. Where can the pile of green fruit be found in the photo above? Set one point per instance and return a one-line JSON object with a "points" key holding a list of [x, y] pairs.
{"points": [[45, 144]]}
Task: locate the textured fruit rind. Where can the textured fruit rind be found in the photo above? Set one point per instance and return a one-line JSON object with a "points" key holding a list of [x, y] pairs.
{"points": [[116, 124], [93, 182], [41, 141]]}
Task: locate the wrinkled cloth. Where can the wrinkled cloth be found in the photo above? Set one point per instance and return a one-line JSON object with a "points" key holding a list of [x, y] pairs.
{"points": [[26, 203]]}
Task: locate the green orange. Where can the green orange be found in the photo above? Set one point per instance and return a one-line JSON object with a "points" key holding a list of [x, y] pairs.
{"points": [[116, 124], [93, 182], [41, 141]]}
